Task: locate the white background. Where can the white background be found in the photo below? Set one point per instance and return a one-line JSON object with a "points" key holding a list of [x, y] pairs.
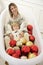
{"points": [[35, 5]]}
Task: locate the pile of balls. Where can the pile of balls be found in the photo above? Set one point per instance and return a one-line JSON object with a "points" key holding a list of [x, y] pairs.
{"points": [[23, 49]]}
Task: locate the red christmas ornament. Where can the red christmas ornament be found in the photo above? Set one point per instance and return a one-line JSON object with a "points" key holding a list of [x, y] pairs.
{"points": [[10, 51], [15, 55], [12, 43], [29, 27], [18, 52], [35, 53], [30, 32], [31, 38], [34, 48], [25, 49]]}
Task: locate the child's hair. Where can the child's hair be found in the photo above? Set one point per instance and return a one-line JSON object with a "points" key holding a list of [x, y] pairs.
{"points": [[14, 24], [15, 6]]}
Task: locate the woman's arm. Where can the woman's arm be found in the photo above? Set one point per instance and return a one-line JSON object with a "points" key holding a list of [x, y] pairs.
{"points": [[7, 28], [23, 26]]}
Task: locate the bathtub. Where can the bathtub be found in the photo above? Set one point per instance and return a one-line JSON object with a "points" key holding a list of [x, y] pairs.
{"points": [[30, 18]]}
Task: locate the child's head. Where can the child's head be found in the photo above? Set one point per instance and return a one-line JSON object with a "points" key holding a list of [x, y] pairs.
{"points": [[13, 9], [15, 26]]}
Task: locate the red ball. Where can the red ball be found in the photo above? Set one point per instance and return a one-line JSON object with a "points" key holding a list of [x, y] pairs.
{"points": [[18, 52], [10, 51], [34, 48], [15, 55], [35, 53], [32, 38], [25, 49], [30, 32], [12, 43], [29, 27]]}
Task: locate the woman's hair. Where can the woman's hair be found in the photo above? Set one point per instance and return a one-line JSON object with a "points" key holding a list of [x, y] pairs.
{"points": [[15, 6]]}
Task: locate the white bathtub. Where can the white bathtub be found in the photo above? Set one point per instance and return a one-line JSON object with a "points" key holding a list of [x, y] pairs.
{"points": [[29, 19]]}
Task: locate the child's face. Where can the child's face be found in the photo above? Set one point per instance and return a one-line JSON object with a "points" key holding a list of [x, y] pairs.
{"points": [[16, 27], [14, 10]]}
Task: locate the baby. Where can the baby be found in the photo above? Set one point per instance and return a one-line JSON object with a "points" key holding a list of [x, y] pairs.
{"points": [[16, 31]]}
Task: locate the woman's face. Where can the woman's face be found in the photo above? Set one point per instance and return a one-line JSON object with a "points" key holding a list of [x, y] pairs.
{"points": [[14, 10]]}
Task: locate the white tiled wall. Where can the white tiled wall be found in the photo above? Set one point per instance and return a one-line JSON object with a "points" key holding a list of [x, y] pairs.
{"points": [[37, 6]]}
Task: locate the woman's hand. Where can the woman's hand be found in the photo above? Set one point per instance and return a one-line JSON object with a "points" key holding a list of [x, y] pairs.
{"points": [[11, 36]]}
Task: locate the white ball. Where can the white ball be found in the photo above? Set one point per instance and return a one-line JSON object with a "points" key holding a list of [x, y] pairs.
{"points": [[31, 55], [23, 57], [29, 43], [23, 40], [19, 44], [16, 48], [26, 36]]}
